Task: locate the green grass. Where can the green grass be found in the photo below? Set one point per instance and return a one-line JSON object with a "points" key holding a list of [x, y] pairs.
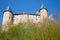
{"points": [[28, 31]]}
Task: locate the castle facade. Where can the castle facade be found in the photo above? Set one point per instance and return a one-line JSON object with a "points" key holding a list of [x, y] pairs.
{"points": [[10, 18]]}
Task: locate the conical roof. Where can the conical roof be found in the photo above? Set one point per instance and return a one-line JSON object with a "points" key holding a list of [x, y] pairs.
{"points": [[8, 9], [42, 7]]}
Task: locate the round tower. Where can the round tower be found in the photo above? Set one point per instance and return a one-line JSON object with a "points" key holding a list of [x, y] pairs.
{"points": [[7, 18], [43, 14]]}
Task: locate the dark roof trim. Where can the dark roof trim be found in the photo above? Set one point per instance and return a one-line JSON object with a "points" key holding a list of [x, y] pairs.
{"points": [[25, 14], [21, 13], [8, 11], [43, 8]]}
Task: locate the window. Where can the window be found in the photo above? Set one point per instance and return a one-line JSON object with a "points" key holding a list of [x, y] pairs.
{"points": [[9, 18], [32, 20], [28, 18], [20, 19], [37, 17], [16, 19]]}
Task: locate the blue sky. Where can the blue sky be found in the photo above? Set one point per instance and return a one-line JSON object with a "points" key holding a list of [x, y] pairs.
{"points": [[30, 6]]}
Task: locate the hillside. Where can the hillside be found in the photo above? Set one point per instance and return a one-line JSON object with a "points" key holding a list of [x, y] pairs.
{"points": [[29, 31]]}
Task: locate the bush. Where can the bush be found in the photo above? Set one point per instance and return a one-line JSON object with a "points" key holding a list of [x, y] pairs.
{"points": [[24, 31]]}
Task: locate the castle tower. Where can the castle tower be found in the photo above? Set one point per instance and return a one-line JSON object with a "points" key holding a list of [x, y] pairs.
{"points": [[43, 14], [7, 19]]}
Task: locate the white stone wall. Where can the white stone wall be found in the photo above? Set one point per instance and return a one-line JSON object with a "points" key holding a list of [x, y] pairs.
{"points": [[43, 15], [26, 18], [7, 17], [34, 18], [19, 19]]}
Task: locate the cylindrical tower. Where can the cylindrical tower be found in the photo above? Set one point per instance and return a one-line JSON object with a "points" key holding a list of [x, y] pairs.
{"points": [[43, 14], [7, 19]]}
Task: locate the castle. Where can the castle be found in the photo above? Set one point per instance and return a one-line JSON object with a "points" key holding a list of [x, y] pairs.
{"points": [[9, 18]]}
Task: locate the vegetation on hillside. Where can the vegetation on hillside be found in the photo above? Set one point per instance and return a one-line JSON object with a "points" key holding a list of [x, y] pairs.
{"points": [[30, 31]]}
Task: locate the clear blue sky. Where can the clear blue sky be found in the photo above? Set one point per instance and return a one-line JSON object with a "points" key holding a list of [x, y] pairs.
{"points": [[30, 6]]}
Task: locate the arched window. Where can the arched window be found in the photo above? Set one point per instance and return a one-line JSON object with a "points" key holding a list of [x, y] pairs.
{"points": [[9, 18], [16, 19], [20, 19], [28, 18], [32, 20]]}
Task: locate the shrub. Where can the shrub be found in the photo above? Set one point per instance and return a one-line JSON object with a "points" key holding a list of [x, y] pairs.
{"points": [[24, 31]]}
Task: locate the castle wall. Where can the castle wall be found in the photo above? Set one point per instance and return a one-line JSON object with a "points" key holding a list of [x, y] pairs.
{"points": [[10, 18], [26, 18], [7, 19], [43, 15], [34, 18], [19, 19]]}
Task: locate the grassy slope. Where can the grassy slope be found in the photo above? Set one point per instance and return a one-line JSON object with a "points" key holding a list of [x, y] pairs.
{"points": [[28, 31]]}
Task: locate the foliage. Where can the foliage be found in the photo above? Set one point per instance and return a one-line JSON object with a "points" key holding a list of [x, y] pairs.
{"points": [[30, 31]]}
